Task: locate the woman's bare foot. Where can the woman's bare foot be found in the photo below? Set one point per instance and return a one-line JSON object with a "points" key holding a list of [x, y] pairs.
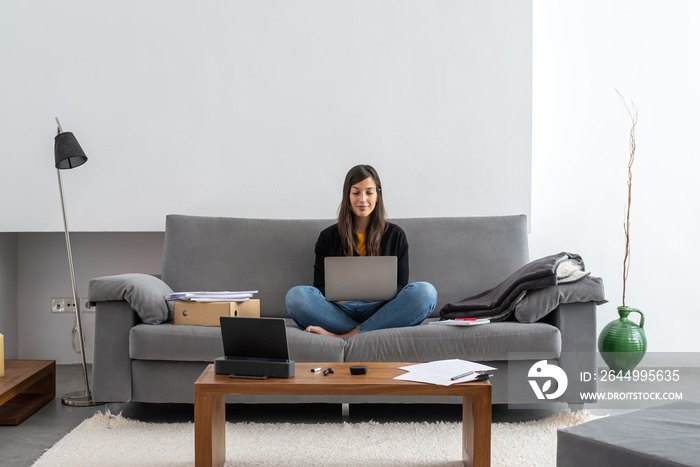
{"points": [[320, 330]]}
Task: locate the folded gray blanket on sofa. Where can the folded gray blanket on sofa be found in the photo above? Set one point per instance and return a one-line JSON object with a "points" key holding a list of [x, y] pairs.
{"points": [[499, 303]]}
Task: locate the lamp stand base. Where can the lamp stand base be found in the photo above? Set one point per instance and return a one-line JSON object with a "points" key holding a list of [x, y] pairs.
{"points": [[79, 399]]}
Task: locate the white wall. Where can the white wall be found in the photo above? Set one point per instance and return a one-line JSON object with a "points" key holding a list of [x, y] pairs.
{"points": [[582, 52], [259, 108]]}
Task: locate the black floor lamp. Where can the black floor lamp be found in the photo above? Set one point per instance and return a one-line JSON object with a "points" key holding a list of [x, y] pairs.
{"points": [[69, 155]]}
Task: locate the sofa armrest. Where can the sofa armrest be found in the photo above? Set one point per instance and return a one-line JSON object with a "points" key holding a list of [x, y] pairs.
{"points": [[111, 367], [577, 325], [144, 293]]}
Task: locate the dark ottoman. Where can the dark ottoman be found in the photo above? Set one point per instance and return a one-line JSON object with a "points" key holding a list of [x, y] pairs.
{"points": [[668, 435]]}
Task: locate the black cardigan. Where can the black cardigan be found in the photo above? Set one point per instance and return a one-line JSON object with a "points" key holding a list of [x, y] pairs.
{"points": [[393, 243]]}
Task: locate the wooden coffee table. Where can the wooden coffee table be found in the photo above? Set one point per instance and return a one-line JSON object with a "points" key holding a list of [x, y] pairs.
{"points": [[210, 392], [27, 386]]}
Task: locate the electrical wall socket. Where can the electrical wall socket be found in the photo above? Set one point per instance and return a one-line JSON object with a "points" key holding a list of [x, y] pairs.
{"points": [[63, 305], [66, 305], [85, 305]]}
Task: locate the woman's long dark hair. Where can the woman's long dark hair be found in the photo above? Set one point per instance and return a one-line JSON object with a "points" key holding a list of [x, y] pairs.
{"points": [[377, 220]]}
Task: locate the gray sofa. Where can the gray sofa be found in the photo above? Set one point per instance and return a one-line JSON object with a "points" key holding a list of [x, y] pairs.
{"points": [[141, 356]]}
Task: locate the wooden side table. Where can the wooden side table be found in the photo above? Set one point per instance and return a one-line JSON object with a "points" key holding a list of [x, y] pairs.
{"points": [[27, 386]]}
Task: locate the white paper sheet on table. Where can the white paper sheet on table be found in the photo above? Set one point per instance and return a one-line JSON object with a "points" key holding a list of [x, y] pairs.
{"points": [[441, 372]]}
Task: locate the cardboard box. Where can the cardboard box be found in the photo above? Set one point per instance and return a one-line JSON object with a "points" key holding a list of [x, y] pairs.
{"points": [[208, 313]]}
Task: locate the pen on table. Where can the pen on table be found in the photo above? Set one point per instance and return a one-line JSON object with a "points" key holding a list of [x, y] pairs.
{"points": [[461, 376]]}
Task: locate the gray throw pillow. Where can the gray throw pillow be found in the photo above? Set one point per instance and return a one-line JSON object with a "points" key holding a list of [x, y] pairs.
{"points": [[539, 303], [144, 293]]}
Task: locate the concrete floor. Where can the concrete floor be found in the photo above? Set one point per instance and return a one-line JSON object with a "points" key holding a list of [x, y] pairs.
{"points": [[22, 445]]}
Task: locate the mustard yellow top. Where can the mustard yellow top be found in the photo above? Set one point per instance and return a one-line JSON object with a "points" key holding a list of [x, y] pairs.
{"points": [[361, 247]]}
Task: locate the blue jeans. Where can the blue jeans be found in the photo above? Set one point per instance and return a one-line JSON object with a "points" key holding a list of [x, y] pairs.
{"points": [[308, 307]]}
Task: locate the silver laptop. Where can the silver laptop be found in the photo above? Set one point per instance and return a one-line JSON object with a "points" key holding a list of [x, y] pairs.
{"points": [[360, 278]]}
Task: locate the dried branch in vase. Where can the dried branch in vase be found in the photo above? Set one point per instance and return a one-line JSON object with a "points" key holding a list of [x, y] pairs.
{"points": [[632, 149]]}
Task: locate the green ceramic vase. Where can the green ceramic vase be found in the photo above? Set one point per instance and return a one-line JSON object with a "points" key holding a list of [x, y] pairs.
{"points": [[622, 343]]}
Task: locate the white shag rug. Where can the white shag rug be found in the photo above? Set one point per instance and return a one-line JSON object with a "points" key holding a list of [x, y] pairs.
{"points": [[111, 440]]}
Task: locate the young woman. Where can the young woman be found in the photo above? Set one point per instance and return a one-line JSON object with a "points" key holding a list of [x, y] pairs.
{"points": [[362, 230]]}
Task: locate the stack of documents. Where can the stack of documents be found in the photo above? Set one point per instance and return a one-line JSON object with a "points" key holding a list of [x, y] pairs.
{"points": [[241, 296], [444, 372], [462, 322]]}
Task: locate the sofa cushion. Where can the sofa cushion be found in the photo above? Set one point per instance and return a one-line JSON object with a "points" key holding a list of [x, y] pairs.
{"points": [[144, 293], [483, 343], [174, 342], [460, 256], [463, 256], [539, 303], [218, 253]]}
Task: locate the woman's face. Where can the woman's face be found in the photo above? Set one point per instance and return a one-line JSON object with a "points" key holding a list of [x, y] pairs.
{"points": [[363, 197]]}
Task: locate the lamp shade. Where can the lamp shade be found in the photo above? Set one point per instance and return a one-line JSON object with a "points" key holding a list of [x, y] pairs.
{"points": [[68, 152]]}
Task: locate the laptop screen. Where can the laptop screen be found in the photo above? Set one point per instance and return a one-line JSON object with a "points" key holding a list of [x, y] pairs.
{"points": [[254, 338], [360, 277]]}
